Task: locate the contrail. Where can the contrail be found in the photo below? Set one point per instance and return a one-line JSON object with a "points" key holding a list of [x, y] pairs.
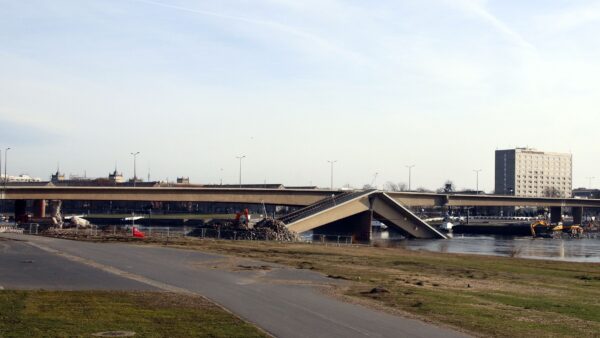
{"points": [[477, 8], [278, 26]]}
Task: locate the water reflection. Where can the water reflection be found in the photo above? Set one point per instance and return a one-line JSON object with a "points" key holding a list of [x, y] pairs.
{"points": [[575, 250]]}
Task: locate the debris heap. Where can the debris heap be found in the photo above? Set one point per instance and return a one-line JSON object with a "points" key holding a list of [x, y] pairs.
{"points": [[266, 229]]}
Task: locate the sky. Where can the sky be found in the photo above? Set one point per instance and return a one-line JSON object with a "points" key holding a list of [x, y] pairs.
{"points": [[375, 85]]}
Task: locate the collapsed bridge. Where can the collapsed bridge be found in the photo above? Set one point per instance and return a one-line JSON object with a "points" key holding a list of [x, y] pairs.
{"points": [[334, 210]]}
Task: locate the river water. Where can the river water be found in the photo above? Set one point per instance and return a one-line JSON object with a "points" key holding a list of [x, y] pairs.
{"points": [[575, 250]]}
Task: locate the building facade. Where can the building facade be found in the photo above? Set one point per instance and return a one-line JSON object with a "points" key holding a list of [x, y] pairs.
{"points": [[528, 172]]}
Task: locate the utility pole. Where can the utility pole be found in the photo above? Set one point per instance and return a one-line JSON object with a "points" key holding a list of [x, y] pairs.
{"points": [[241, 158], [410, 175], [134, 167], [331, 178], [477, 171]]}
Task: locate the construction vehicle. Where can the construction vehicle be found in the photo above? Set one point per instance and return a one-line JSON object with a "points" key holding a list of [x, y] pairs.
{"points": [[242, 218], [545, 229]]}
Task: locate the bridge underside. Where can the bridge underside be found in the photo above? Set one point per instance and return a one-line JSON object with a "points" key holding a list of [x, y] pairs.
{"points": [[354, 218]]}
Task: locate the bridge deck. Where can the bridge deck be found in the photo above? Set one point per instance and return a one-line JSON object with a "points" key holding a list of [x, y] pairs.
{"points": [[291, 197]]}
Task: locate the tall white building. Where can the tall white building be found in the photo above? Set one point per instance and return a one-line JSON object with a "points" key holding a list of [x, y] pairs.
{"points": [[531, 173]]}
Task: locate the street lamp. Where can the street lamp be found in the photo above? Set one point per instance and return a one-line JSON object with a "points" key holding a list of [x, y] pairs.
{"points": [[410, 175], [5, 172], [241, 158], [332, 162], [134, 167], [589, 180], [477, 171]]}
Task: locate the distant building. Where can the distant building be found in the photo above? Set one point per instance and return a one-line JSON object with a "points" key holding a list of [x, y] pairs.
{"points": [[528, 172], [586, 193], [183, 180], [116, 177], [57, 177], [19, 179]]}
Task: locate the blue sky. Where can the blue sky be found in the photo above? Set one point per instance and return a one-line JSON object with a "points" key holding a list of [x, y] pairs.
{"points": [[290, 84]]}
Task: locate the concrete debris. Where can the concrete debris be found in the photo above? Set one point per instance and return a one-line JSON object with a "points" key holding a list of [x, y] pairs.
{"points": [[266, 229], [79, 222]]}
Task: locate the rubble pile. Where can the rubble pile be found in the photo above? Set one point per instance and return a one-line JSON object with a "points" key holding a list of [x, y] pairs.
{"points": [[273, 229], [73, 233], [266, 229]]}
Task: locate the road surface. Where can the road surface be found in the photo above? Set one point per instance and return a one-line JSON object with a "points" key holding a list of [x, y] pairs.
{"points": [[285, 302]]}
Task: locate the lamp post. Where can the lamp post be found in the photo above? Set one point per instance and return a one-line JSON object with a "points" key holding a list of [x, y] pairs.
{"points": [[477, 171], [241, 158], [134, 167], [410, 175], [5, 172], [331, 177], [589, 180]]}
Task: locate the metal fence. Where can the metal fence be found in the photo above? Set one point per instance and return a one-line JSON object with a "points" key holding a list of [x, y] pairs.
{"points": [[195, 232]]}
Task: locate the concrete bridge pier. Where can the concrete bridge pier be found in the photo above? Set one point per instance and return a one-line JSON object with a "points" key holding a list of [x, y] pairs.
{"points": [[39, 208], [56, 213], [555, 214], [577, 215], [21, 211]]}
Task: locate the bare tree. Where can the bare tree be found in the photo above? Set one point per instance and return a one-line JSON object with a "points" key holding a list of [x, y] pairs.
{"points": [[422, 189], [551, 192], [402, 186], [447, 188], [391, 186]]}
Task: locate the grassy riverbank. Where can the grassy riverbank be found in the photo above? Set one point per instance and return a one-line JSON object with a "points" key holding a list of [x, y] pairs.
{"points": [[491, 296], [484, 295], [82, 313]]}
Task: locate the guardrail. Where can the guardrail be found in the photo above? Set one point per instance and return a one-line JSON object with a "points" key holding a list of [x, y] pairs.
{"points": [[10, 229]]}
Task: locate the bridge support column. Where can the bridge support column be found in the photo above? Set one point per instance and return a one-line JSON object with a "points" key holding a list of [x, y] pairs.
{"points": [[358, 226], [362, 229], [555, 214], [21, 211], [39, 208], [577, 215], [55, 213]]}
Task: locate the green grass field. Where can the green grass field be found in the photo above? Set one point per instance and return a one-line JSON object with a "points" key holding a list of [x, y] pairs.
{"points": [[148, 314]]}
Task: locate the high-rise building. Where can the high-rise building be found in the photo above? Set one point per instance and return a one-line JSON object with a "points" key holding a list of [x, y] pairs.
{"points": [[531, 173]]}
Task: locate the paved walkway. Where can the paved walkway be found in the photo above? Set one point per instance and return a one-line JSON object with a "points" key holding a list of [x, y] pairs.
{"points": [[284, 301]]}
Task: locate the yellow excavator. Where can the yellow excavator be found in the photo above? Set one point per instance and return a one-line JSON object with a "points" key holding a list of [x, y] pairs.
{"points": [[547, 230]]}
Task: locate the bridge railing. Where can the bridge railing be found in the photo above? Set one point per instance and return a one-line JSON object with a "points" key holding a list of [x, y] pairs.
{"points": [[322, 205]]}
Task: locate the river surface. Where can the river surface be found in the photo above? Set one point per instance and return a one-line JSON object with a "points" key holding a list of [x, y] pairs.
{"points": [[574, 250]]}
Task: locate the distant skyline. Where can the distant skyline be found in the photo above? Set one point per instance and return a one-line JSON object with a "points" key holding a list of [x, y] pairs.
{"points": [[439, 84]]}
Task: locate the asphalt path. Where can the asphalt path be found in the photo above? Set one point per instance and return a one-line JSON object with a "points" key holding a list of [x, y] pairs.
{"points": [[284, 301], [25, 267]]}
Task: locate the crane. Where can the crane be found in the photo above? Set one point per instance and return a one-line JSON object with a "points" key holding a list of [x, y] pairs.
{"points": [[373, 181]]}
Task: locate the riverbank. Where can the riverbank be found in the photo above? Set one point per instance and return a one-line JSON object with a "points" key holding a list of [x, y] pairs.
{"points": [[488, 296]]}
